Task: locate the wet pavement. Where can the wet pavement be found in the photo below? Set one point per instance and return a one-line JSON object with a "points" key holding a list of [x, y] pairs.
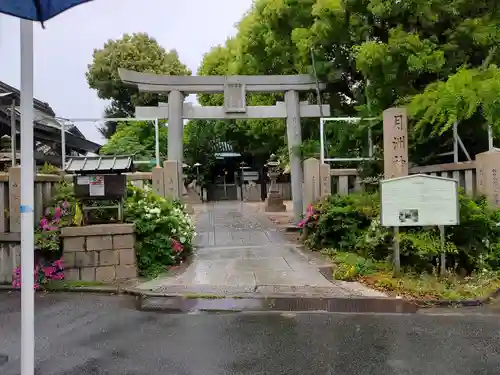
{"points": [[240, 252], [84, 334]]}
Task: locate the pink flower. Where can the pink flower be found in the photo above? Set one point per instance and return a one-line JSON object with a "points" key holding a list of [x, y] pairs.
{"points": [[65, 205], [57, 213], [177, 246], [49, 271], [44, 223]]}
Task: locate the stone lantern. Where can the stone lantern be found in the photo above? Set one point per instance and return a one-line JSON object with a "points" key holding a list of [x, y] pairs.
{"points": [[274, 201]]}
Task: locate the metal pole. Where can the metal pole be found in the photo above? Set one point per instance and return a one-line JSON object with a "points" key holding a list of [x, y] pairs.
{"points": [[462, 146], [322, 140], [443, 253], [13, 132], [63, 145], [490, 138], [27, 203], [396, 254], [157, 142], [455, 142]]}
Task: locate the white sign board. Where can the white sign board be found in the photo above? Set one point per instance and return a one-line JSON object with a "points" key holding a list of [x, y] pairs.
{"points": [[96, 187], [250, 176], [419, 200]]}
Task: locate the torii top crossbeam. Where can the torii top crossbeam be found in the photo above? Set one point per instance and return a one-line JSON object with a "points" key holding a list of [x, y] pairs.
{"points": [[148, 82]]}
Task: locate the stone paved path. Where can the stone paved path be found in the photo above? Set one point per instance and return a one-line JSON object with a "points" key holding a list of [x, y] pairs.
{"points": [[240, 251]]}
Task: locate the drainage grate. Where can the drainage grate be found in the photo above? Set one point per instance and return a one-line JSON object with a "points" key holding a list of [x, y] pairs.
{"points": [[338, 304]]}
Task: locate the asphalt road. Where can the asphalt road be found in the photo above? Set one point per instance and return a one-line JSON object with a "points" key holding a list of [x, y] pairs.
{"points": [[104, 335]]}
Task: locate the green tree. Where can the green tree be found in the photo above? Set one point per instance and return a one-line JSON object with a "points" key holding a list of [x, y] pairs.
{"points": [[137, 52], [401, 49], [200, 140], [136, 138], [262, 46]]}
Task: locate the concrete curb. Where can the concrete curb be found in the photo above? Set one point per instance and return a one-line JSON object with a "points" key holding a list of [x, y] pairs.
{"points": [[105, 289], [116, 290]]}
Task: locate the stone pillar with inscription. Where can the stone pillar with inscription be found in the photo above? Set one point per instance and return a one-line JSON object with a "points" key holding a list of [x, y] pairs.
{"points": [[15, 199], [395, 143], [325, 180], [311, 182], [488, 176], [158, 181], [171, 178]]}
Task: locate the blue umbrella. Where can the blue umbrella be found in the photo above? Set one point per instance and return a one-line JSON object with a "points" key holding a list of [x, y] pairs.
{"points": [[29, 11], [37, 10]]}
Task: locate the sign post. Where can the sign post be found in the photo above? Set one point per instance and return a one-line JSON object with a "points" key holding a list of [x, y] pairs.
{"points": [[419, 200]]}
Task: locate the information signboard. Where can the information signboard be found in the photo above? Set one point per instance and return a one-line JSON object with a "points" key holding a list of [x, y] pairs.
{"points": [[419, 200]]}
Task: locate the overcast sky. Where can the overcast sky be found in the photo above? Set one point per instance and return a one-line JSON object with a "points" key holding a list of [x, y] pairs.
{"points": [[64, 49]]}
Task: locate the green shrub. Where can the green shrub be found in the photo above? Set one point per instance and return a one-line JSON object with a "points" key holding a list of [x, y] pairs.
{"points": [[341, 220], [351, 223], [164, 232]]}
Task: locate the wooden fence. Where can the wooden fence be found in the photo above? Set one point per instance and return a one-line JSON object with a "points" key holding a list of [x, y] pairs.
{"points": [[345, 181], [10, 235], [44, 190]]}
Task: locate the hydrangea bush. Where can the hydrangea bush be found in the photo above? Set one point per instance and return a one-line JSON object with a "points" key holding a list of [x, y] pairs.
{"points": [[49, 229], [49, 263], [164, 231]]}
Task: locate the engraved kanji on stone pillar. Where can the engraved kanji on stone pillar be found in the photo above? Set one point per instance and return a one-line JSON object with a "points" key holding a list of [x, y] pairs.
{"points": [[171, 174], [311, 182], [395, 143], [488, 176], [325, 180]]}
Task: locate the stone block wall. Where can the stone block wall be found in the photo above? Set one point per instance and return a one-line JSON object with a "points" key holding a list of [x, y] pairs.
{"points": [[103, 253]]}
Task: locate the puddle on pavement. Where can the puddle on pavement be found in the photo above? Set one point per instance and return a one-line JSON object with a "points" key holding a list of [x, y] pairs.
{"points": [[3, 359], [342, 305]]}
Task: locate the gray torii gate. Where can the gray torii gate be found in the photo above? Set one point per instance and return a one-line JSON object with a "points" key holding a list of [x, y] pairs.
{"points": [[234, 89]]}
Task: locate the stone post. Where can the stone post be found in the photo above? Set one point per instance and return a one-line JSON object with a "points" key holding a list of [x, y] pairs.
{"points": [[311, 182], [294, 138], [158, 181], [176, 132], [395, 143], [325, 181], [274, 201], [15, 199], [171, 178], [488, 175]]}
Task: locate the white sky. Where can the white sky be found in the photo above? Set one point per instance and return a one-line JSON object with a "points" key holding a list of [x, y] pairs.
{"points": [[64, 49]]}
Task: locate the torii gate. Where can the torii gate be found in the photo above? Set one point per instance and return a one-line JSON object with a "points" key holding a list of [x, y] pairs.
{"points": [[234, 89]]}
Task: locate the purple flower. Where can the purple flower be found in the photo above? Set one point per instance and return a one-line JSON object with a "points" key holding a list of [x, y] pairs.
{"points": [[44, 223]]}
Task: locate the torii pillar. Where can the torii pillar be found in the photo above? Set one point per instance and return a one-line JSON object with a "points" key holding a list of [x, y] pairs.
{"points": [[234, 89]]}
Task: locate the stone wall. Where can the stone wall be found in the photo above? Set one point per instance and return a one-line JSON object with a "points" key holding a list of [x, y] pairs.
{"points": [[103, 253]]}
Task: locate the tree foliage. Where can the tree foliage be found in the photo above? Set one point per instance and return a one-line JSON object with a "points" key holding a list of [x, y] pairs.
{"points": [[138, 52], [136, 138], [437, 56]]}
